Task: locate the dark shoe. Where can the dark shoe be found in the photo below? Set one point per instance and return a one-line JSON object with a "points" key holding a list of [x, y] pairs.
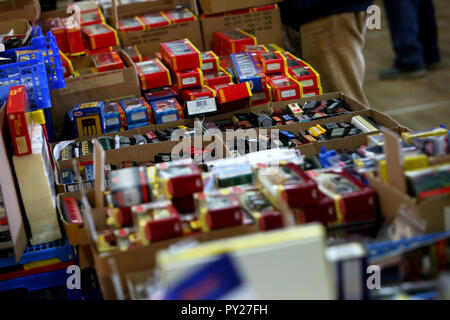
{"points": [[397, 73]]}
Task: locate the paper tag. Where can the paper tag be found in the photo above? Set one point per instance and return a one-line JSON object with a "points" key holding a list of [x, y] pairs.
{"points": [[207, 66], [447, 218], [309, 95], [307, 83], [169, 118], [288, 93], [138, 116], [113, 121], [188, 81], [273, 66], [201, 106]]}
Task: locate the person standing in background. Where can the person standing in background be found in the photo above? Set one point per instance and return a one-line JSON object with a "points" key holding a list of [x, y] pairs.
{"points": [[414, 37], [332, 40]]}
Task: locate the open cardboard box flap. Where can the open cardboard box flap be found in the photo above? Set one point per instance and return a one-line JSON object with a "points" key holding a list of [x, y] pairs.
{"points": [[10, 191]]}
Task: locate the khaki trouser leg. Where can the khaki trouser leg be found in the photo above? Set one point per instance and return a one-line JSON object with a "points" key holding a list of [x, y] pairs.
{"points": [[333, 46]]}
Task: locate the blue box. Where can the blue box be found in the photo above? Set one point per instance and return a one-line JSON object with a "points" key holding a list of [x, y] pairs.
{"points": [[168, 110], [159, 94], [89, 118], [247, 70], [136, 110], [112, 116]]}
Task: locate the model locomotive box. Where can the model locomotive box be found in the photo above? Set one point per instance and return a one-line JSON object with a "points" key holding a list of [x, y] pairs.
{"points": [[160, 94], [113, 119], [107, 61], [137, 111], [167, 110], [303, 72], [262, 97], [89, 118], [90, 17], [154, 20], [219, 76], [196, 93], [178, 181], [246, 70], [181, 55], [210, 61], [99, 36], [153, 74], [130, 186], [130, 24], [285, 88], [272, 62], [188, 78], [231, 41], [218, 209], [231, 97], [181, 15]]}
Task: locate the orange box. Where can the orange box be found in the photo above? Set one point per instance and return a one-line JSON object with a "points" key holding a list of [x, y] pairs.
{"points": [[181, 55], [210, 61], [100, 35], [154, 20], [130, 24], [153, 74], [272, 62], [285, 88], [74, 36], [90, 17], [192, 94], [177, 16], [188, 78], [16, 110], [231, 97], [231, 41]]}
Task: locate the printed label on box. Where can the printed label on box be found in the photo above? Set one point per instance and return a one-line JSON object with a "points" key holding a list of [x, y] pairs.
{"points": [[207, 66], [22, 146], [138, 116], [258, 95], [288, 93], [169, 118], [188, 81], [112, 122], [273, 66], [309, 95], [307, 83]]}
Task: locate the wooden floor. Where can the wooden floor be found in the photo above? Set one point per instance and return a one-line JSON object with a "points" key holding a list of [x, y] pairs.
{"points": [[417, 104]]}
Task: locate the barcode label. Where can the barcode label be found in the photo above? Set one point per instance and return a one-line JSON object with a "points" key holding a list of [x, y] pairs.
{"points": [[201, 106], [85, 185]]}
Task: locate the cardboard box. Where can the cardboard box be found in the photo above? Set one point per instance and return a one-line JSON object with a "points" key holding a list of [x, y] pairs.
{"points": [[148, 40], [264, 25], [102, 86], [20, 26], [218, 6], [20, 9]]}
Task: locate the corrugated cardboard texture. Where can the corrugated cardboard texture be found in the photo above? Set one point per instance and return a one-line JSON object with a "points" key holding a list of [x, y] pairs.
{"points": [[148, 40], [19, 9], [392, 200], [104, 86], [218, 6], [20, 26], [10, 191], [264, 25]]}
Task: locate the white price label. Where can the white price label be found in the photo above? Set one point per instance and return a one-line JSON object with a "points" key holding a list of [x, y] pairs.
{"points": [[273, 66], [201, 106], [207, 66], [307, 83], [189, 81], [288, 93], [138, 116]]}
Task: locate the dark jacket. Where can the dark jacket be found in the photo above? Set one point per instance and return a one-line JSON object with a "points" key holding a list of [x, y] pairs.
{"points": [[297, 12]]}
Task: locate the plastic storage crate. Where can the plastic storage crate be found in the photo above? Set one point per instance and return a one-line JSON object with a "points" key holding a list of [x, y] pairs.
{"points": [[60, 249], [31, 73], [42, 286], [376, 250]]}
